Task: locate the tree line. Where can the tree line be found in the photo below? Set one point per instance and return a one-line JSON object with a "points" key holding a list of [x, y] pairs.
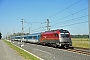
{"points": [[79, 36], [0, 35], [19, 34], [16, 34]]}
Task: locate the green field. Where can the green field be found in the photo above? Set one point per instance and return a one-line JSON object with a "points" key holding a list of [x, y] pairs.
{"points": [[80, 42], [24, 54]]}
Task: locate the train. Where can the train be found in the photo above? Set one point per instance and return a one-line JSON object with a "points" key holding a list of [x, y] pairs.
{"points": [[56, 38]]}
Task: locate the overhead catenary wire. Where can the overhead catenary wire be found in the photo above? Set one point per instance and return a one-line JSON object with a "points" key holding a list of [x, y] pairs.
{"points": [[39, 29], [45, 26], [70, 15], [64, 9], [65, 25], [34, 23], [75, 19], [74, 24], [70, 20]]}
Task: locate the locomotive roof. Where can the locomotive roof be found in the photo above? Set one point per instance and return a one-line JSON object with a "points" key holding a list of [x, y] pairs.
{"points": [[60, 30], [56, 30]]}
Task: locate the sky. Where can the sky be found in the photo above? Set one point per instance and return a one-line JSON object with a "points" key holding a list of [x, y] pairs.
{"points": [[71, 15]]}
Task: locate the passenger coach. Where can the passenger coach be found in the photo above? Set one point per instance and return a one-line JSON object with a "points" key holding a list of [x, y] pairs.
{"points": [[33, 38]]}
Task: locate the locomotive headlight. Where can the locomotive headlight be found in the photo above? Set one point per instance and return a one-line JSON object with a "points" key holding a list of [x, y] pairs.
{"points": [[59, 44]]}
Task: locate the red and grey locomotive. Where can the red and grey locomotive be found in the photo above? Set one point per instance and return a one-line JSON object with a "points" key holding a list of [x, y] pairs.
{"points": [[59, 37]]}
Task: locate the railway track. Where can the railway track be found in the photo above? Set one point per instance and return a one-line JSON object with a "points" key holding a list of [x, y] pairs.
{"points": [[84, 51], [79, 50]]}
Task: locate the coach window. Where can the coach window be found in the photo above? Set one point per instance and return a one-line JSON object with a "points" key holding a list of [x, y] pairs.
{"points": [[34, 37], [29, 37], [25, 37]]}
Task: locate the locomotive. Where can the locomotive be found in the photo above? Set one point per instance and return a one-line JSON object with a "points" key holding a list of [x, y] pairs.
{"points": [[60, 38], [57, 38]]}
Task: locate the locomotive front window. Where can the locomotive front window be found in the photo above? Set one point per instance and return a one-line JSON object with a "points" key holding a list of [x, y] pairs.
{"points": [[64, 35], [64, 31]]}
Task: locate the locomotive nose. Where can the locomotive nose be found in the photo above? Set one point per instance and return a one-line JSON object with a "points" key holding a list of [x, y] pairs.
{"points": [[65, 42]]}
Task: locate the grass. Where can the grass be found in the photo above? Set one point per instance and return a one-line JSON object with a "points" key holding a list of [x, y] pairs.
{"points": [[24, 54], [80, 42]]}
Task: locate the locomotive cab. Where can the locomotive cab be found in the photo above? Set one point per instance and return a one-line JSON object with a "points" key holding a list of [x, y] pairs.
{"points": [[65, 39]]}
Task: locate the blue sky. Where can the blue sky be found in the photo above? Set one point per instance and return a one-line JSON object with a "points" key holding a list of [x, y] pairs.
{"points": [[61, 14]]}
